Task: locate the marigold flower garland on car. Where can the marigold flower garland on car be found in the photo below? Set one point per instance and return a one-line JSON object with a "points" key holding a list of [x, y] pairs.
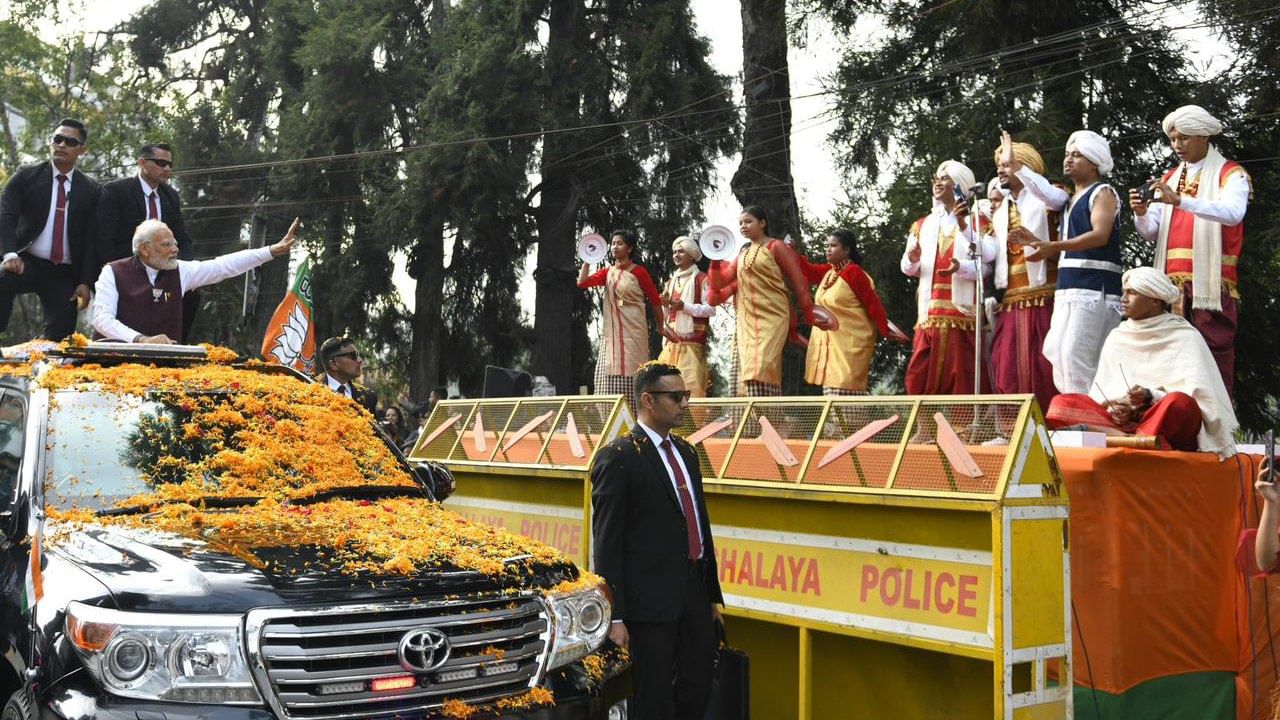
{"points": [[207, 443]]}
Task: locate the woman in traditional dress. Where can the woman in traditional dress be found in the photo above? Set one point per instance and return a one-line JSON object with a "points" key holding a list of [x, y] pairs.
{"points": [[685, 297], [757, 280], [840, 360], [625, 346]]}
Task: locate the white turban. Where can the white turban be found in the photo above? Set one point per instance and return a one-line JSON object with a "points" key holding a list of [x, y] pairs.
{"points": [[684, 243], [1094, 147], [994, 187], [1152, 283], [1191, 120], [959, 173]]}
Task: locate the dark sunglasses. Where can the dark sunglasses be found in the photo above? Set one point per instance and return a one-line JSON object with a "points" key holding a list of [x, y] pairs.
{"points": [[159, 162], [677, 395], [68, 141], [350, 353]]}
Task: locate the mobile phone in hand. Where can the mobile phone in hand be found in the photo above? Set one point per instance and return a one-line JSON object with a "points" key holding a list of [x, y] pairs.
{"points": [[1269, 442]]}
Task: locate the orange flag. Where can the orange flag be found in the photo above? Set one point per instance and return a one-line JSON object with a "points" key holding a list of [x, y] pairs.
{"points": [[291, 336]]}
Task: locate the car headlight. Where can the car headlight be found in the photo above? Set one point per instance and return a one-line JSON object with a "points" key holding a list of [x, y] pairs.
{"points": [[580, 622], [153, 656]]}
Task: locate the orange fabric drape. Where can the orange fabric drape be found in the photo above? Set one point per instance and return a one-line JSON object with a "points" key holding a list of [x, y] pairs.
{"points": [[1153, 571]]}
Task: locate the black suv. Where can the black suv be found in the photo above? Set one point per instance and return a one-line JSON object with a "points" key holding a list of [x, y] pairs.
{"points": [[147, 577]]}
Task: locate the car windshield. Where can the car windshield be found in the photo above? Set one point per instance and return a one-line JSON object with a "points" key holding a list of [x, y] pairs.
{"points": [[104, 448]]}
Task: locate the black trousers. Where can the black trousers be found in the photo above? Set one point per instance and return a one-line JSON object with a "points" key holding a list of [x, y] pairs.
{"points": [[672, 662], [53, 284]]}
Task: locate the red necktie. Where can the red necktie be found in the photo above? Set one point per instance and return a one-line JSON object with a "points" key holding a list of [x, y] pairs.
{"points": [[686, 502], [59, 221], [153, 212]]}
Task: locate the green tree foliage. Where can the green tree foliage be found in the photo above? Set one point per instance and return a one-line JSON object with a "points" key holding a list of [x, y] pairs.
{"points": [[46, 77], [612, 67]]}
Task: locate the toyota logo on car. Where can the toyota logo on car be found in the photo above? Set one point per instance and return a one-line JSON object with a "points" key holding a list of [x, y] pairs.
{"points": [[423, 649]]}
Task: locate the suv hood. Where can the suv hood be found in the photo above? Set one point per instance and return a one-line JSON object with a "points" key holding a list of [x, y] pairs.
{"points": [[153, 571]]}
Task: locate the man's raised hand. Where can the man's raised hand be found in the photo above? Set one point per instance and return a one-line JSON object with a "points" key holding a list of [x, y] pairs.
{"points": [[286, 243]]}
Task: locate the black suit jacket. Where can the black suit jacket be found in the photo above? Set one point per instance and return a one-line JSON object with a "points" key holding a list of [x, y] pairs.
{"points": [[123, 207], [638, 537], [24, 211]]}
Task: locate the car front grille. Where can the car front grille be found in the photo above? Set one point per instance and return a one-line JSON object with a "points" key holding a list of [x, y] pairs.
{"points": [[320, 663]]}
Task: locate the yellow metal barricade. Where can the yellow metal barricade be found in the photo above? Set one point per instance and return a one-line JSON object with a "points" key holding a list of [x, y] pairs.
{"points": [[881, 557]]}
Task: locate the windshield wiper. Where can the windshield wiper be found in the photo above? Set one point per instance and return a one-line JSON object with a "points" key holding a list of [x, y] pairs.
{"points": [[363, 492], [209, 501]]}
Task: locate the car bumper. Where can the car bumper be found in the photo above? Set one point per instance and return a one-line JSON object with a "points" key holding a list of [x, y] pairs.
{"points": [[78, 702]]}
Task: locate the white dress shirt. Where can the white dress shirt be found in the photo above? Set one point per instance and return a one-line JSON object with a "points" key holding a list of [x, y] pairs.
{"points": [[147, 192], [671, 478], [192, 274], [42, 246], [1053, 197], [1228, 209], [339, 387]]}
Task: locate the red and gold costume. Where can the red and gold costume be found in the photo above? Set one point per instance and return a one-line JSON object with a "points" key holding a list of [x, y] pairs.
{"points": [[758, 281], [942, 350], [1175, 230], [841, 358], [688, 351], [1018, 364], [625, 346]]}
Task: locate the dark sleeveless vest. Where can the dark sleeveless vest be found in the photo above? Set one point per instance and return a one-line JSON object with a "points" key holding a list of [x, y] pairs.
{"points": [[149, 309], [1096, 269]]}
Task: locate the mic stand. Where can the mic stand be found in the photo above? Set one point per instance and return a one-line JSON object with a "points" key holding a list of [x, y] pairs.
{"points": [[979, 307], [975, 254]]}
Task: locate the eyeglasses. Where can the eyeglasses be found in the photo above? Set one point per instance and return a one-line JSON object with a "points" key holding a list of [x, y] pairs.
{"points": [[159, 162], [677, 395], [354, 355], [68, 141]]}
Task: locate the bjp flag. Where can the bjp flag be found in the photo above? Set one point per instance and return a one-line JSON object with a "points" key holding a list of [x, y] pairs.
{"points": [[291, 337]]}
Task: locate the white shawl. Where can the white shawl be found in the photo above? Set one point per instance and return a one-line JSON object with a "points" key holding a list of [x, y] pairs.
{"points": [[1033, 216], [1166, 352], [962, 281], [1206, 235]]}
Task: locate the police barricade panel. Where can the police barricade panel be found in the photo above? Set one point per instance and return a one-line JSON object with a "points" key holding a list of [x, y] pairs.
{"points": [[891, 533]]}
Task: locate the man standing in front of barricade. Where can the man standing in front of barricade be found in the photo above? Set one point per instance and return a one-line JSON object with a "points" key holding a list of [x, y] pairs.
{"points": [[942, 353], [1086, 304], [1017, 359], [651, 541], [1200, 234]]}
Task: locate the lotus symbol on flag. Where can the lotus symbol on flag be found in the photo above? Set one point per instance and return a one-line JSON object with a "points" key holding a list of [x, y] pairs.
{"points": [[289, 343]]}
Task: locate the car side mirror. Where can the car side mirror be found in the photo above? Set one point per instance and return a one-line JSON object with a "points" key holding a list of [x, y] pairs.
{"points": [[437, 478]]}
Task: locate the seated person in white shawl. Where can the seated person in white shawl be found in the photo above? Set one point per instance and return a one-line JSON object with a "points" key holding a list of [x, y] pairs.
{"points": [[1156, 377]]}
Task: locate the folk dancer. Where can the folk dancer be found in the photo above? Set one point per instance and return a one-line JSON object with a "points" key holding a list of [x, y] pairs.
{"points": [[1156, 377], [1018, 363], [627, 286], [839, 361], [757, 280], [1200, 234], [938, 252], [685, 298], [1086, 303]]}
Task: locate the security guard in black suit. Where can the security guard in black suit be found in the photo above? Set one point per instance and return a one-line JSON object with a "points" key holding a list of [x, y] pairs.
{"points": [[47, 232], [651, 540], [342, 365], [125, 203]]}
